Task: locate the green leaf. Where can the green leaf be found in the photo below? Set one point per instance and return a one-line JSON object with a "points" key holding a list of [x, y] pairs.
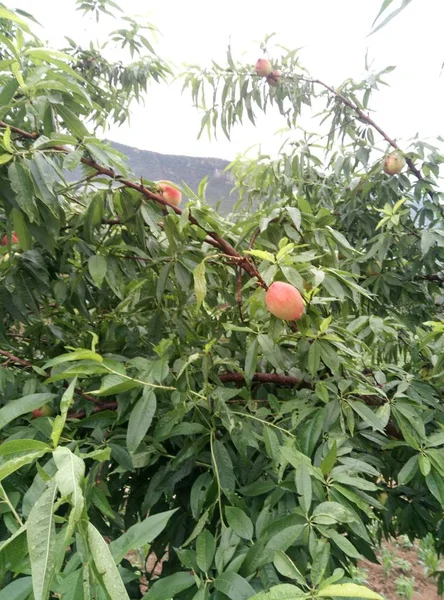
{"points": [[73, 356], [21, 406], [303, 487], [262, 254], [424, 464], [320, 561], [41, 536], [435, 483], [140, 419], [115, 384], [97, 267], [20, 589], [223, 466], [328, 462], [65, 403], [408, 471], [20, 227], [22, 185], [69, 479], [105, 565], [205, 549], [314, 358], [234, 586], [348, 590], [343, 543], [72, 122], [251, 360], [11, 16], [286, 567], [368, 415], [140, 534], [168, 587], [328, 513], [200, 285], [285, 591], [239, 522]]}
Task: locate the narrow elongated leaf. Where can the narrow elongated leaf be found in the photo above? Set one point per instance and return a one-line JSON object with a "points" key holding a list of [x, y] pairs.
{"points": [[205, 549], [21, 406], [348, 590], [65, 403], [140, 419], [251, 360], [200, 285], [285, 591], [234, 586], [223, 465], [140, 534], [239, 522], [105, 565], [20, 589], [287, 567], [41, 536], [97, 267], [303, 487], [69, 478], [320, 561], [168, 587]]}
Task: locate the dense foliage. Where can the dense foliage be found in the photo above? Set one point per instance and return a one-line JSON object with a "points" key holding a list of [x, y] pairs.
{"points": [[190, 428]]}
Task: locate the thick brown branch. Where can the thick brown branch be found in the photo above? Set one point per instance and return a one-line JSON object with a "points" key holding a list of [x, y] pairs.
{"points": [[220, 241], [81, 414], [262, 378]]}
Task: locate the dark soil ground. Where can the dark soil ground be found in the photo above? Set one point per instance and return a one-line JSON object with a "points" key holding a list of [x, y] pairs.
{"points": [[379, 581]]}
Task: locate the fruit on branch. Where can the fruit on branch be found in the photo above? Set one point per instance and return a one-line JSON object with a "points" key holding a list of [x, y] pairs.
{"points": [[373, 269], [169, 192], [14, 239], [393, 164], [263, 67], [273, 78], [43, 411], [284, 301]]}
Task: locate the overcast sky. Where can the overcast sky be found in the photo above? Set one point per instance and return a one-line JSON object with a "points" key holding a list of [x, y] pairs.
{"points": [[332, 34]]}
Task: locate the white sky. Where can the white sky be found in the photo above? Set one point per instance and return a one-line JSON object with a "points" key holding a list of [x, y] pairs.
{"points": [[331, 32]]}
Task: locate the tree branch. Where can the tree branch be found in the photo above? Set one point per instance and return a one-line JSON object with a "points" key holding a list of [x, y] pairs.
{"points": [[25, 364], [220, 241]]}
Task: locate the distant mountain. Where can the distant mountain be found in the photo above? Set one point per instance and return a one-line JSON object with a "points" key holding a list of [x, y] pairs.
{"points": [[188, 169]]}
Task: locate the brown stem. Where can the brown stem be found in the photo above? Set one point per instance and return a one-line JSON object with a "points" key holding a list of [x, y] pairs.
{"points": [[139, 187], [81, 414], [28, 365], [367, 119]]}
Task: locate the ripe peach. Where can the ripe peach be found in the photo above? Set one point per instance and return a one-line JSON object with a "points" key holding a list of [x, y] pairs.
{"points": [[273, 78], [263, 67], [284, 301], [14, 239], [393, 164], [169, 192], [43, 411]]}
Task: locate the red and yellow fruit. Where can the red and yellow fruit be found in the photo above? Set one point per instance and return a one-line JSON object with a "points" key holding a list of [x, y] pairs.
{"points": [[169, 192], [393, 164], [43, 411], [263, 67], [273, 78], [284, 301], [14, 239]]}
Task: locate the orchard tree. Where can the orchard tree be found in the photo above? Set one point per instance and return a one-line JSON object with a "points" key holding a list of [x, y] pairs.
{"points": [[205, 406]]}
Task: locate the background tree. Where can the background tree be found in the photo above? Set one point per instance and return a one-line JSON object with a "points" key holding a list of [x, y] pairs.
{"points": [[247, 453]]}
